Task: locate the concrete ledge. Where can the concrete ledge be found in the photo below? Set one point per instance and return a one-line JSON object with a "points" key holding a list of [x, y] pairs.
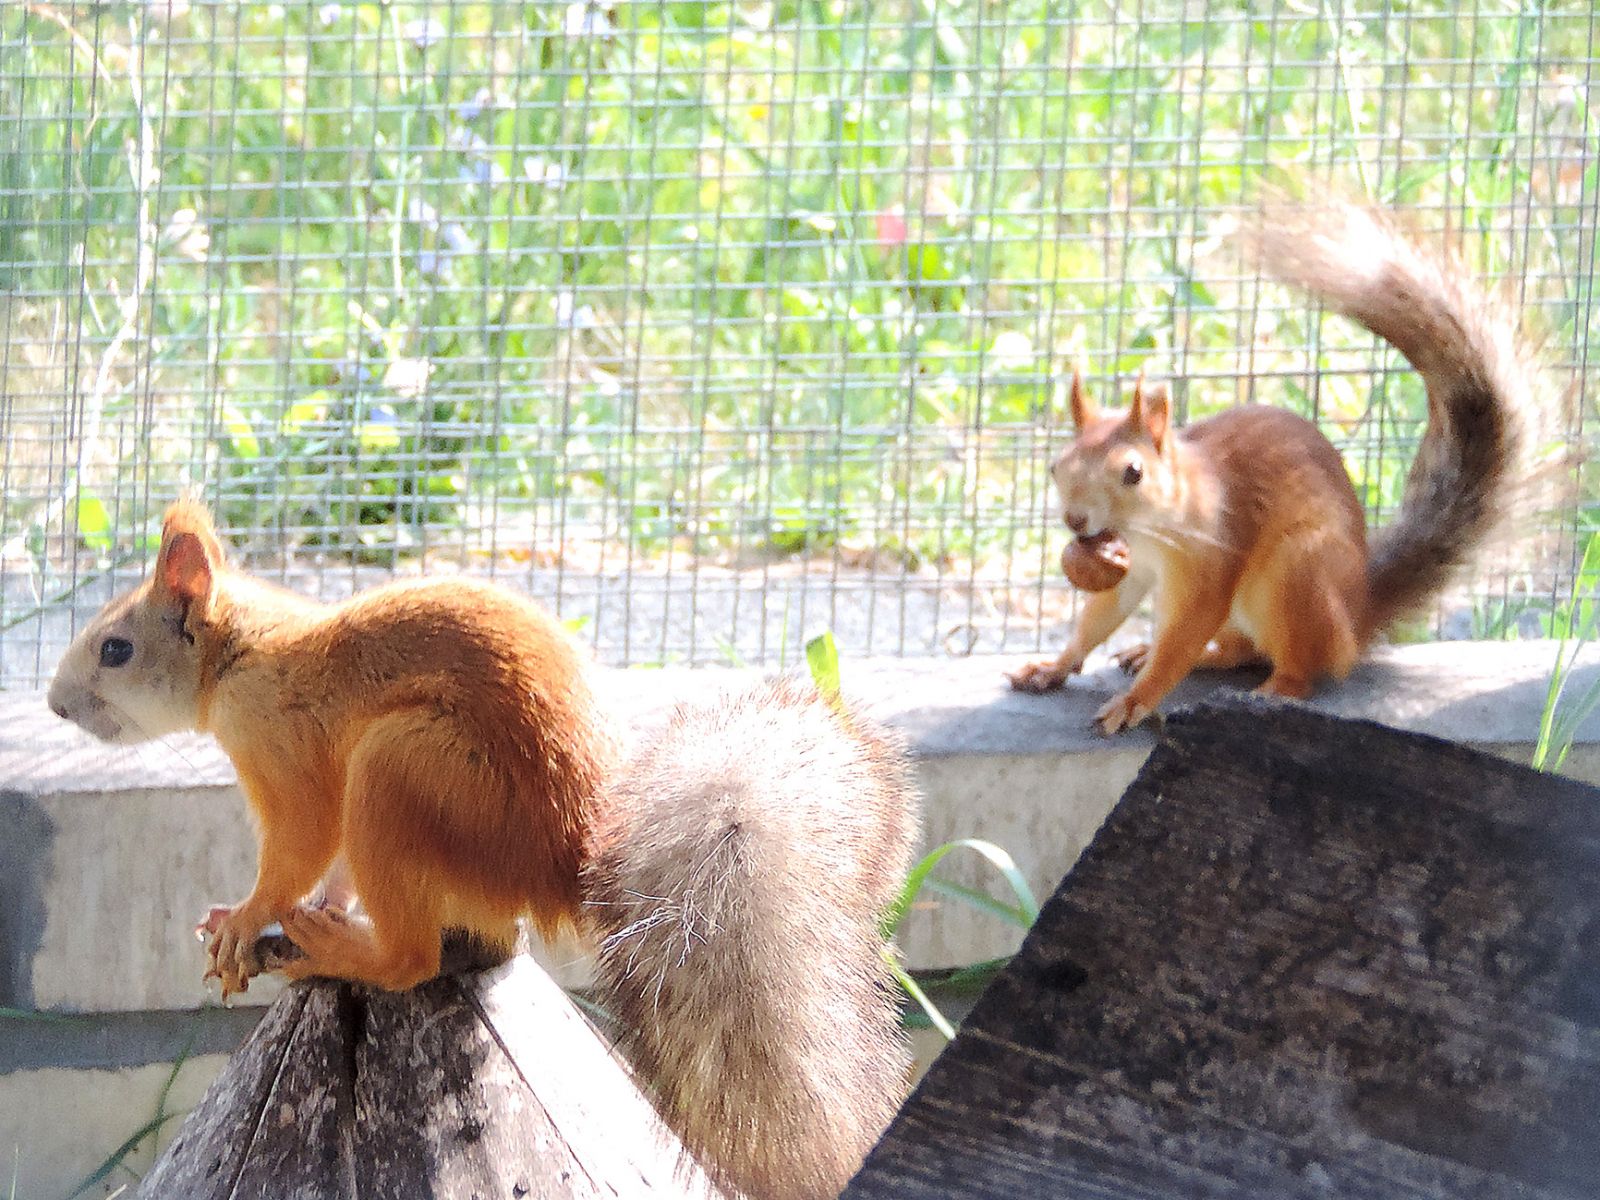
{"points": [[60, 1124], [113, 851], [110, 852]]}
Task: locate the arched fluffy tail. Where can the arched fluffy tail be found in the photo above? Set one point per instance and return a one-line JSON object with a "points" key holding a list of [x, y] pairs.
{"points": [[746, 858], [1479, 371]]}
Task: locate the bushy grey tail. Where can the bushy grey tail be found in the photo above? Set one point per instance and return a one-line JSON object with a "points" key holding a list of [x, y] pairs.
{"points": [[746, 858], [1479, 371]]}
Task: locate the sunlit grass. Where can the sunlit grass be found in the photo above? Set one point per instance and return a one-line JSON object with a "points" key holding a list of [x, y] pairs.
{"points": [[406, 259]]}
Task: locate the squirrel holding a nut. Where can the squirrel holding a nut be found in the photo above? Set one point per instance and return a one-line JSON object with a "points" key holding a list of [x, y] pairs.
{"points": [[1245, 527]]}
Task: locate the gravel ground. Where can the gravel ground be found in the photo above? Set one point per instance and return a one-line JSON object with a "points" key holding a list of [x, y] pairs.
{"points": [[715, 615]]}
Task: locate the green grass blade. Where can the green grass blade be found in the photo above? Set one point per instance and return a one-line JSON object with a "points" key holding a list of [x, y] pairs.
{"points": [[1557, 728], [116, 1157], [1011, 913], [1566, 729], [822, 660], [998, 858], [730, 652], [903, 977], [974, 977], [1552, 700], [165, 1094]]}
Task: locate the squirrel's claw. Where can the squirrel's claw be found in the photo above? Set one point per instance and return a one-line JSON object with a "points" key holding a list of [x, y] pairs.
{"points": [[1123, 711], [1040, 677], [230, 957], [212, 921]]}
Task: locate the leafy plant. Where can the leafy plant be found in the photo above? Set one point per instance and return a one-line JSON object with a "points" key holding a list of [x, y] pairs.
{"points": [[822, 660], [1574, 628], [768, 277], [117, 1159], [1022, 914]]}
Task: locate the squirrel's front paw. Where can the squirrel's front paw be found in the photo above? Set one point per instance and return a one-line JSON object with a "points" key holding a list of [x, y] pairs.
{"points": [[1041, 677], [1121, 712], [212, 921], [230, 957]]}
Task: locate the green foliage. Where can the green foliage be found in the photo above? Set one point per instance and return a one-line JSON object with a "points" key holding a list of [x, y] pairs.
{"points": [[822, 660], [1574, 628], [1022, 914], [724, 275]]}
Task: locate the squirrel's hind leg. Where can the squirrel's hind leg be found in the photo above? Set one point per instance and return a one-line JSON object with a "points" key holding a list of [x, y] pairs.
{"points": [[393, 782], [396, 948], [1306, 606]]}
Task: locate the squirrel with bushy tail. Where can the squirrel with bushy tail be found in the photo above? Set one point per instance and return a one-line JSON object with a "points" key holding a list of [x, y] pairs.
{"points": [[1245, 528], [433, 750]]}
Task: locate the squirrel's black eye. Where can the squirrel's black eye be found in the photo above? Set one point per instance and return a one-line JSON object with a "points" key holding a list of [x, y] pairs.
{"points": [[115, 652], [1132, 474]]}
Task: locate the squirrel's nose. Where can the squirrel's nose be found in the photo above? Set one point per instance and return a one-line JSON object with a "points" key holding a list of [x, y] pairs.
{"points": [[1077, 522], [59, 709]]}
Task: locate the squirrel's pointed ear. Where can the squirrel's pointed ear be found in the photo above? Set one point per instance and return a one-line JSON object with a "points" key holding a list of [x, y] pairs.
{"points": [[1135, 416], [1152, 409], [1084, 409], [190, 553]]}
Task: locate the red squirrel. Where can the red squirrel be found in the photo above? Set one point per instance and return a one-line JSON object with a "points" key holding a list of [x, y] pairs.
{"points": [[436, 744], [1246, 527]]}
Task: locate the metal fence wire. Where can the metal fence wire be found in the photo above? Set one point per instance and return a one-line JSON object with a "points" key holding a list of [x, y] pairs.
{"points": [[717, 324]]}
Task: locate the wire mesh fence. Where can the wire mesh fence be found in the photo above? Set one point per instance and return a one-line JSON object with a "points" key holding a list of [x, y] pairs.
{"points": [[715, 324]]}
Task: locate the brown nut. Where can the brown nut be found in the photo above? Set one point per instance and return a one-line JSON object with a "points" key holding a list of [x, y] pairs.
{"points": [[1096, 564]]}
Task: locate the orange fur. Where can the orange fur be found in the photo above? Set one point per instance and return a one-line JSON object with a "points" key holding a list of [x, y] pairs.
{"points": [[431, 748], [1246, 526], [434, 735], [1247, 529]]}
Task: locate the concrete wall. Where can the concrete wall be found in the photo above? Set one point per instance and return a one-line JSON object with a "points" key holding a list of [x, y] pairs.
{"points": [[109, 855]]}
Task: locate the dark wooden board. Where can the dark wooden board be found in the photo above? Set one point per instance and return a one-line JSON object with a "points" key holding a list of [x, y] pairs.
{"points": [[211, 1153], [470, 1086], [1306, 957]]}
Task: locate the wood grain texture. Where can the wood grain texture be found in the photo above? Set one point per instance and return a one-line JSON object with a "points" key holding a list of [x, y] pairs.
{"points": [[1305, 957], [479, 1085]]}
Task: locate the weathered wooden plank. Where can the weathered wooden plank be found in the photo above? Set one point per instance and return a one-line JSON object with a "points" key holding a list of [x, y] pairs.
{"points": [[294, 1145], [607, 1125], [468, 1086], [1305, 957], [256, 1111]]}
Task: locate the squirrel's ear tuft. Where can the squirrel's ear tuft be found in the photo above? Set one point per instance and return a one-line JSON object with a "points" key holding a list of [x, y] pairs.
{"points": [[1084, 409], [1151, 410], [190, 552]]}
